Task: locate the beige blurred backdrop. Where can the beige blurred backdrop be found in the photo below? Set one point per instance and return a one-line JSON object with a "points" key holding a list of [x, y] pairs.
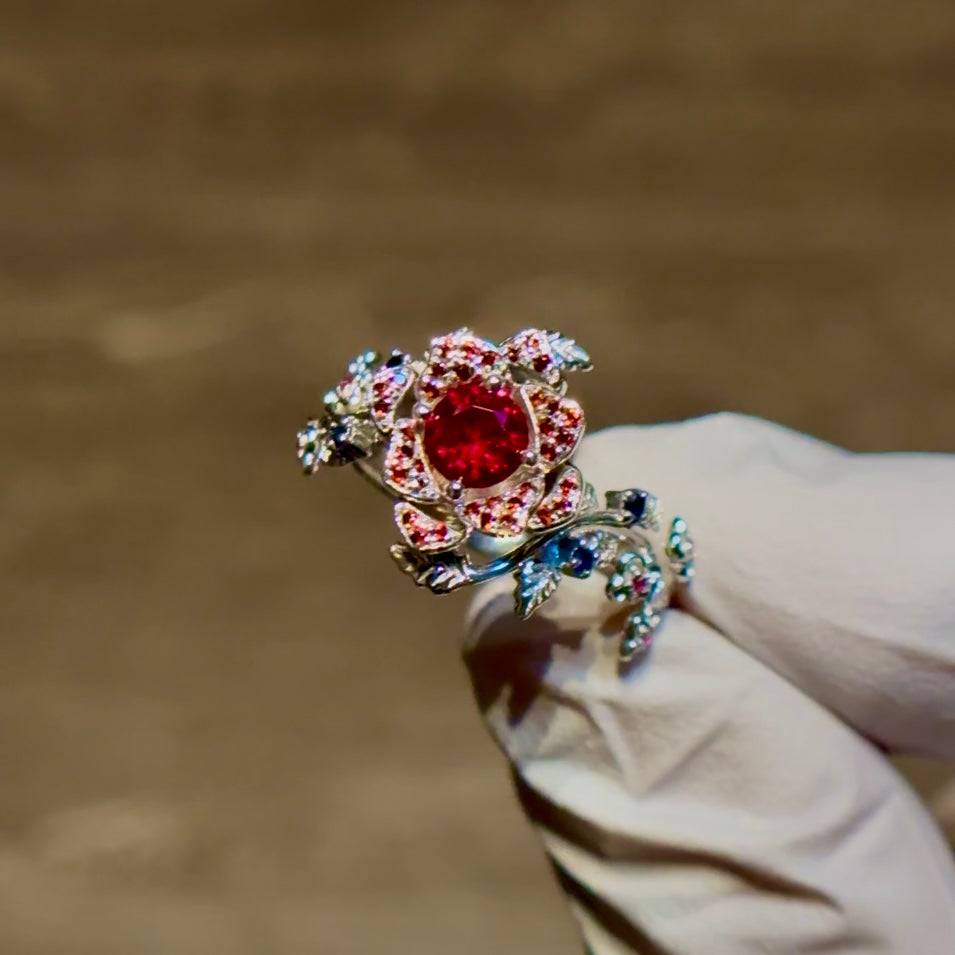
{"points": [[211, 740]]}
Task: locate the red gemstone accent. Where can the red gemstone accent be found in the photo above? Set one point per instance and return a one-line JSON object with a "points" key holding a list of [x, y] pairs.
{"points": [[560, 422], [405, 469], [425, 532], [389, 387], [456, 358], [562, 501], [476, 435], [505, 514], [531, 348]]}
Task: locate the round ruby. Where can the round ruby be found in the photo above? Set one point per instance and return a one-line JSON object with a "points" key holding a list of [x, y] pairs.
{"points": [[476, 435]]}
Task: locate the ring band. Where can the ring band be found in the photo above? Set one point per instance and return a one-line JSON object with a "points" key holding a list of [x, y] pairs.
{"points": [[474, 444]]}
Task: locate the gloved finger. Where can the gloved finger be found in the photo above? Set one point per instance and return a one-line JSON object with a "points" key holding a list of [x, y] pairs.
{"points": [[702, 803], [835, 569]]}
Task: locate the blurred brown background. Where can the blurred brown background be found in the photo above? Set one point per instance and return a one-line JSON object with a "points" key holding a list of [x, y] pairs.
{"points": [[210, 741]]}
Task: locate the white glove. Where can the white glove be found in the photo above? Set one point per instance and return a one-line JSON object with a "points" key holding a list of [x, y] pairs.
{"points": [[725, 797]]}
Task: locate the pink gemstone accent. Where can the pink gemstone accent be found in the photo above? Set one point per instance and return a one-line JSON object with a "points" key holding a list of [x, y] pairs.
{"points": [[405, 468], [388, 388], [455, 358], [505, 514], [424, 532], [562, 501], [560, 423], [531, 349]]}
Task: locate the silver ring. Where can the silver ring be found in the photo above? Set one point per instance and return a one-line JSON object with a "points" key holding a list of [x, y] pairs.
{"points": [[474, 445]]}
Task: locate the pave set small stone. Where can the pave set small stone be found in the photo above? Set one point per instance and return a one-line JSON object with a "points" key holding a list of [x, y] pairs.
{"points": [[562, 502]]}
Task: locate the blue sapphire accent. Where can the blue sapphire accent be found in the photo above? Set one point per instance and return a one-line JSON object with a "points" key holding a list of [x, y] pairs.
{"points": [[570, 555], [583, 562], [636, 504], [344, 448]]}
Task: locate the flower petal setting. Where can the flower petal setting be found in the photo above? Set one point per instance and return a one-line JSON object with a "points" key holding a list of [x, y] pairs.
{"points": [[406, 469], [562, 502], [454, 358], [427, 533], [388, 387], [560, 423], [531, 349], [505, 514]]}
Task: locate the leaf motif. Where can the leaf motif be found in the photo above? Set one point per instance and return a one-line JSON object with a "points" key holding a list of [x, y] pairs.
{"points": [[440, 577], [443, 577], [568, 354], [536, 582], [680, 549], [409, 560]]}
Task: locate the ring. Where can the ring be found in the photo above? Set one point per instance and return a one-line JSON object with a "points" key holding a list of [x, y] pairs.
{"points": [[473, 444]]}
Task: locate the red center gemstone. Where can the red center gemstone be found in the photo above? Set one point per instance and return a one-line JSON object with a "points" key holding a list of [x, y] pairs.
{"points": [[476, 435]]}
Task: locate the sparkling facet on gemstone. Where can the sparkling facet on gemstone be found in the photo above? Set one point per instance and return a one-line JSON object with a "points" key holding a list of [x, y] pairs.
{"points": [[351, 396], [460, 356], [504, 515], [562, 501], [570, 554], [476, 434], [531, 349], [405, 468], [426, 533], [642, 506], [560, 423], [389, 386], [631, 576], [636, 504]]}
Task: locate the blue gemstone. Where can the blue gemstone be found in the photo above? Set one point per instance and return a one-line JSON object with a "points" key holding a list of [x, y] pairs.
{"points": [[570, 555], [557, 550], [583, 561], [344, 448], [636, 504]]}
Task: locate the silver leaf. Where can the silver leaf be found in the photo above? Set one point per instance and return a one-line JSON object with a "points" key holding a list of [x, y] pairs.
{"points": [[680, 549], [568, 354], [408, 560], [536, 582], [442, 578]]}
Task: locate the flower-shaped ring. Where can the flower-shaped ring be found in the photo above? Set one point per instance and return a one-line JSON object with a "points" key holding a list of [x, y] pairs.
{"points": [[473, 443]]}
